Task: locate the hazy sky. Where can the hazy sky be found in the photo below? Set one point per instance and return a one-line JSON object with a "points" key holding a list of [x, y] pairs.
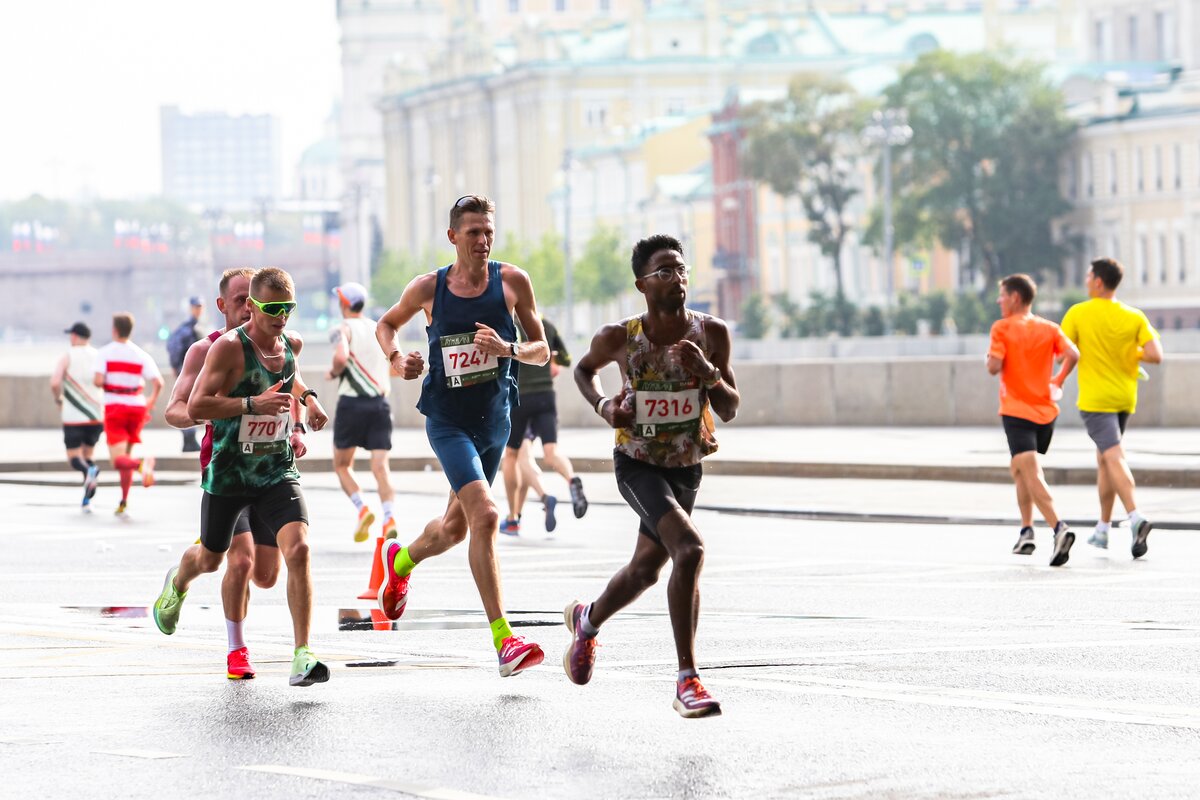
{"points": [[81, 82]]}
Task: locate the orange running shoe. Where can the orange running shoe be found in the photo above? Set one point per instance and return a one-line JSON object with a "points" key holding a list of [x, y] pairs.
{"points": [[365, 519], [389, 528], [148, 471]]}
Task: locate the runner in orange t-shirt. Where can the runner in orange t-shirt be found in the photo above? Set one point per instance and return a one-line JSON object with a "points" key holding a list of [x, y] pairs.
{"points": [[1022, 351]]}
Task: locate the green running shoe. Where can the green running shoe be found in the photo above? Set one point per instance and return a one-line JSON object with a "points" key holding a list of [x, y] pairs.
{"points": [[166, 607], [306, 670]]}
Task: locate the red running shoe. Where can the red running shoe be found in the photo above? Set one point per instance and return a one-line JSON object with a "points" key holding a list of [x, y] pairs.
{"points": [[238, 665], [517, 655], [693, 700], [580, 655], [393, 590]]}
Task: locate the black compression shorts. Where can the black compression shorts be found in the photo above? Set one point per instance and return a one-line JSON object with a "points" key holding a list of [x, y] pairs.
{"points": [[654, 491], [277, 506]]}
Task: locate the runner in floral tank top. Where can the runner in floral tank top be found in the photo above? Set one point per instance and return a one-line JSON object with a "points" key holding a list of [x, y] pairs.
{"points": [[676, 370]]}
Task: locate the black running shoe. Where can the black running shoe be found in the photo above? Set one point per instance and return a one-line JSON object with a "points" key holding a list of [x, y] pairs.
{"points": [[1024, 545], [579, 503], [1063, 539], [1140, 534]]}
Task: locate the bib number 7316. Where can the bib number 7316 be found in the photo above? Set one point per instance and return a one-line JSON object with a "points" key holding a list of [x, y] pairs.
{"points": [[666, 407]]}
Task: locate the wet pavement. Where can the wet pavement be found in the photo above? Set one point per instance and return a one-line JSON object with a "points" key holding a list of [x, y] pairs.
{"points": [[853, 659]]}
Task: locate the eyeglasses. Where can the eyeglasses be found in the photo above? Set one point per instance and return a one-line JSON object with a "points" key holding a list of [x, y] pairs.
{"points": [[276, 309], [664, 274]]}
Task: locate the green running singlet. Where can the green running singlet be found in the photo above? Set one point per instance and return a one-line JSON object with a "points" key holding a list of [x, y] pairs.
{"points": [[252, 452]]}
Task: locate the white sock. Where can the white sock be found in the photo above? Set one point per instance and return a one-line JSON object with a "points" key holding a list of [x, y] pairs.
{"points": [[1102, 527], [687, 673], [1134, 519], [234, 631], [387, 508], [356, 498], [585, 624]]}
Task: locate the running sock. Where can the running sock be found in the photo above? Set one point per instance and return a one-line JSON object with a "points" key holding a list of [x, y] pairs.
{"points": [[1135, 519], [684, 674], [356, 498], [1102, 527], [234, 631], [126, 465], [500, 632], [1059, 526], [403, 563], [79, 464], [387, 508], [585, 624]]}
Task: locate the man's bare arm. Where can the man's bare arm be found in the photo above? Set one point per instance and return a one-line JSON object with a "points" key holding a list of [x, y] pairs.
{"points": [[417, 296], [606, 347], [724, 396], [176, 413], [56, 378], [536, 350]]}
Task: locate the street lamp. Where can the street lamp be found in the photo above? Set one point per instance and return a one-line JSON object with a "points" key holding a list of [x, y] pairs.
{"points": [[889, 127], [568, 267]]}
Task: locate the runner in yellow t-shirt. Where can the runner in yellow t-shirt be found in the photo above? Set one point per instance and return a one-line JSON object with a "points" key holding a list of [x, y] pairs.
{"points": [[1112, 339], [1022, 351]]}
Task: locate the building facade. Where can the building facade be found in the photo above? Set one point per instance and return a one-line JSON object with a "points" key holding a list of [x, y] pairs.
{"points": [[215, 160]]}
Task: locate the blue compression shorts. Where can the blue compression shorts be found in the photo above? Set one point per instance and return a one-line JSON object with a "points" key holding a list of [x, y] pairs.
{"points": [[466, 456]]}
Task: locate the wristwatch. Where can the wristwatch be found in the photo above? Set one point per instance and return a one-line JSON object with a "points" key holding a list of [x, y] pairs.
{"points": [[306, 393], [512, 347], [299, 427]]}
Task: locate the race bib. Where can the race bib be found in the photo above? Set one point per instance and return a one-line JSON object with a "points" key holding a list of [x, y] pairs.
{"points": [[464, 363], [666, 407], [261, 434]]}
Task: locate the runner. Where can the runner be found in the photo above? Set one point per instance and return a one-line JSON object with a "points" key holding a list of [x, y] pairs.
{"points": [[1113, 339], [245, 387], [363, 418], [537, 418], [82, 407], [1022, 352], [123, 369], [469, 307], [178, 343], [253, 552], [675, 363]]}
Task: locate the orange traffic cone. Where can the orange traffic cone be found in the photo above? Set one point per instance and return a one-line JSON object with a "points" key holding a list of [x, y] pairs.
{"points": [[372, 591], [380, 622]]}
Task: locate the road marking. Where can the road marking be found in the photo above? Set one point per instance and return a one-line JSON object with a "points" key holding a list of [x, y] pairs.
{"points": [[135, 753], [417, 790], [24, 740]]}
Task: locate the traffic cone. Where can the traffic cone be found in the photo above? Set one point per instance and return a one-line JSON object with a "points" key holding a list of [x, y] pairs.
{"points": [[372, 591], [380, 622]]}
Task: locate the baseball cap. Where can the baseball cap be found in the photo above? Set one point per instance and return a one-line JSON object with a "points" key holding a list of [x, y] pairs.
{"points": [[80, 329], [351, 293], [195, 301]]}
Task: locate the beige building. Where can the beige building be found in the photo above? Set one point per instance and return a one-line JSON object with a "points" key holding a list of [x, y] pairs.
{"points": [[1142, 31]]}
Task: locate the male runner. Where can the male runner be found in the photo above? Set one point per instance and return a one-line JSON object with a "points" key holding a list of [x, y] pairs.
{"points": [[253, 552], [1022, 352], [537, 418], [469, 307], [178, 343], [676, 364], [363, 418], [245, 387], [82, 406], [1113, 339], [123, 369]]}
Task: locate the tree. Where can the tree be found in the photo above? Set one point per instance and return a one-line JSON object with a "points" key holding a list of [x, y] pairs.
{"points": [[982, 168], [602, 272], [755, 320], [397, 268], [806, 145], [543, 260]]}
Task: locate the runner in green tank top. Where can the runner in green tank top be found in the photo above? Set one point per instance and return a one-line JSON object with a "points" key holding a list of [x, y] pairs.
{"points": [[249, 386]]}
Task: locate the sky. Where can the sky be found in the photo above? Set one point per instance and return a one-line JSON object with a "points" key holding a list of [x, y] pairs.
{"points": [[81, 82]]}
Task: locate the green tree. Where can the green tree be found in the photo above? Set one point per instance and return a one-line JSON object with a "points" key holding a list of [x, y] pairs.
{"points": [[602, 272], [792, 318], [806, 145], [397, 268], [543, 260], [989, 132], [936, 309], [969, 313], [755, 320]]}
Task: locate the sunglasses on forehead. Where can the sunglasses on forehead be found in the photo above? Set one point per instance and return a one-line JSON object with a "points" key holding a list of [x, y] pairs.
{"points": [[465, 200], [275, 309]]}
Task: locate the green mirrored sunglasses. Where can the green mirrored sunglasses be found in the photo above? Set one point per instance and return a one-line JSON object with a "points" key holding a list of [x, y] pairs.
{"points": [[276, 309]]}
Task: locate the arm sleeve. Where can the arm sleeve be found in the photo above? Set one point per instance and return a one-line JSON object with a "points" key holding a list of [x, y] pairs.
{"points": [[1146, 331], [996, 347]]}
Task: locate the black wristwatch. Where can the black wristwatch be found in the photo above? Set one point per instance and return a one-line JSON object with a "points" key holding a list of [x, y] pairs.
{"points": [[304, 395], [299, 427], [512, 346]]}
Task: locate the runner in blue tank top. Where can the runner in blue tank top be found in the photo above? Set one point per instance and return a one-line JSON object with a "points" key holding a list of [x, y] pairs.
{"points": [[466, 396]]}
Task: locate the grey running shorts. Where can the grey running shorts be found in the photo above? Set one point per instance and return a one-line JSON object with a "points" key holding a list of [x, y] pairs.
{"points": [[1105, 428]]}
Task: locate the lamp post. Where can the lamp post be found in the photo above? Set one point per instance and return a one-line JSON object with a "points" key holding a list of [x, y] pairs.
{"points": [[889, 127], [568, 267]]}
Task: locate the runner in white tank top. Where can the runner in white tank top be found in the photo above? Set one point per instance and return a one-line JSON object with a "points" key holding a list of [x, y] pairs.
{"points": [[82, 406]]}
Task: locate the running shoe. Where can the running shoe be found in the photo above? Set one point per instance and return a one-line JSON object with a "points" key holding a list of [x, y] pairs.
{"points": [[548, 503], [393, 591], [510, 527], [1099, 539], [90, 483], [579, 503], [306, 669], [1063, 539], [517, 655], [365, 518], [1140, 533], [693, 700], [1024, 545], [580, 656], [120, 512], [168, 604], [238, 666], [148, 471], [389, 528]]}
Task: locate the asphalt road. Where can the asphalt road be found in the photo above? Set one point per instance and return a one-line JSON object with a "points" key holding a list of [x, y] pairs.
{"points": [[853, 660]]}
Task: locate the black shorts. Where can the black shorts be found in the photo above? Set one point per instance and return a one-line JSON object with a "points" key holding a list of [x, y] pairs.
{"points": [[653, 491], [537, 417], [1025, 435], [362, 422], [82, 435], [277, 506]]}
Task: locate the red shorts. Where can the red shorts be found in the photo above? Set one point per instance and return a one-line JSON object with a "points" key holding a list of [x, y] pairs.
{"points": [[124, 424]]}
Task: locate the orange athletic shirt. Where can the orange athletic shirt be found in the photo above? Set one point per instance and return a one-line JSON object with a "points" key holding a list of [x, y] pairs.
{"points": [[1028, 347]]}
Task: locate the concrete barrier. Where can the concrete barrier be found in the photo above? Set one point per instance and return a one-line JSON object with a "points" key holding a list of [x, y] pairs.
{"points": [[932, 391]]}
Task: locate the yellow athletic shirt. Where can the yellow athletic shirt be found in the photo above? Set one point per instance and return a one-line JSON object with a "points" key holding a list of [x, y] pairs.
{"points": [[1109, 335]]}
